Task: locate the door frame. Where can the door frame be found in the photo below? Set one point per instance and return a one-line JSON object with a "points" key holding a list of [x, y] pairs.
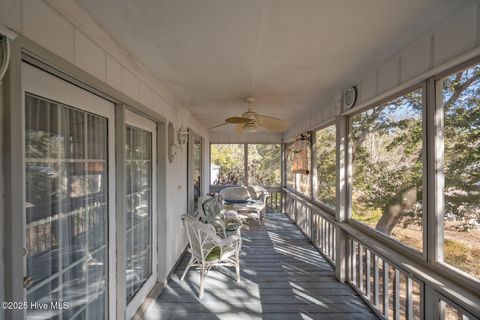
{"points": [[43, 84], [26, 50]]}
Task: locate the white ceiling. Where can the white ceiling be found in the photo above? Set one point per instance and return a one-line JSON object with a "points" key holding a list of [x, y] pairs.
{"points": [[290, 54]]}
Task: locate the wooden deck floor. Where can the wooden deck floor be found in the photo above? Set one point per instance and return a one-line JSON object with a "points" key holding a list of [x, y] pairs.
{"points": [[283, 277]]}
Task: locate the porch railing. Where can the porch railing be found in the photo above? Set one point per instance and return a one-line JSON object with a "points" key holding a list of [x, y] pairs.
{"points": [[387, 288], [392, 284], [317, 225]]}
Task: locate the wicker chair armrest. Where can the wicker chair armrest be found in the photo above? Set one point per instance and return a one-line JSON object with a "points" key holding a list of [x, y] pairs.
{"points": [[228, 241]]}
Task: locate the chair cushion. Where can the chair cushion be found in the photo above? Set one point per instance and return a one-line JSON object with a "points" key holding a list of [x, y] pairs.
{"points": [[256, 192], [211, 209], [235, 193], [233, 225], [230, 214], [215, 253], [230, 201]]}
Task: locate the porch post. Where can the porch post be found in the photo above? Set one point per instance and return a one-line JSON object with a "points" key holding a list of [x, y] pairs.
{"points": [[120, 226], [342, 211]]}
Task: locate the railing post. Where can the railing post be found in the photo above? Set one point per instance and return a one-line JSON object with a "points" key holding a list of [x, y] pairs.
{"points": [[341, 212], [430, 303]]}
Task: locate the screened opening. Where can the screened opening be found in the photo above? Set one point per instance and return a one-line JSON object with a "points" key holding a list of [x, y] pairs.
{"points": [[263, 164], [388, 170], [461, 194], [227, 164], [324, 187]]}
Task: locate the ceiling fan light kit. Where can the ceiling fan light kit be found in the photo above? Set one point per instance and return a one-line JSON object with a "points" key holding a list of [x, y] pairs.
{"points": [[249, 127]]}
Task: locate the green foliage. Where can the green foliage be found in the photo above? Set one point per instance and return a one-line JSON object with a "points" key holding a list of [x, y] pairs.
{"points": [[462, 148], [326, 166], [387, 160], [264, 164], [288, 166], [230, 159], [387, 164]]}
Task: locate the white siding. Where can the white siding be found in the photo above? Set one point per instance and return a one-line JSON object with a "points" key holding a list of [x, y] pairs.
{"points": [[89, 57], [114, 73], [49, 29]]}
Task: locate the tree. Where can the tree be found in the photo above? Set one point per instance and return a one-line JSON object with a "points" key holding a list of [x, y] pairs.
{"points": [[230, 158], [462, 148], [387, 157], [264, 164], [326, 166]]}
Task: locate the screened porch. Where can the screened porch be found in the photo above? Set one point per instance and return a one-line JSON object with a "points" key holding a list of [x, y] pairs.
{"points": [[239, 159]]}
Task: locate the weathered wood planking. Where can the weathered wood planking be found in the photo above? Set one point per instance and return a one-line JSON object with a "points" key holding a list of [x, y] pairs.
{"points": [[283, 277]]}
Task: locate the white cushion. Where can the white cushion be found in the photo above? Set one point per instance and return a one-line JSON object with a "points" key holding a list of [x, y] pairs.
{"points": [[235, 193]]}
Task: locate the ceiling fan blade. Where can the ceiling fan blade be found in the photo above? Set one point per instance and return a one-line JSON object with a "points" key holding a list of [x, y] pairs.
{"points": [[218, 125], [239, 128], [236, 120], [271, 123]]}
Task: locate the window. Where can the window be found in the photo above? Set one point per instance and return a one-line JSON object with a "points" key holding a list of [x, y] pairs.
{"points": [[461, 212], [387, 168], [264, 164], [195, 171], [289, 166], [325, 166], [227, 164], [67, 201]]}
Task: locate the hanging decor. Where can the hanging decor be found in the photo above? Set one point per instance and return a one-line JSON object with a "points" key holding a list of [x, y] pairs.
{"points": [[300, 155]]}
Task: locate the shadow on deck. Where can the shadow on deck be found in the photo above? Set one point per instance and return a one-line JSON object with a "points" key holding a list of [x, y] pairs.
{"points": [[283, 277]]}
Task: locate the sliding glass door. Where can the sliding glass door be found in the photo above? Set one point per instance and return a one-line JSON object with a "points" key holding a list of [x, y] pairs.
{"points": [[68, 180], [140, 151]]}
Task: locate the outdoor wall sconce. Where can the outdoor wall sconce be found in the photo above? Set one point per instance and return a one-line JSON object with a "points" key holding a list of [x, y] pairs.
{"points": [[182, 136], [182, 139], [6, 36]]}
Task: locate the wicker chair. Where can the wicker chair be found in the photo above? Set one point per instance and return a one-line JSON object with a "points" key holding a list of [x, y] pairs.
{"points": [[226, 222], [209, 250]]}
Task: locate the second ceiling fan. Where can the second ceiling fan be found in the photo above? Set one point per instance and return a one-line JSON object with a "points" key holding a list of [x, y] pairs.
{"points": [[250, 121]]}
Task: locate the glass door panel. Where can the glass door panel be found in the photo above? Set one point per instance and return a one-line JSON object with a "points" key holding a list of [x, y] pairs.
{"points": [[139, 213], [66, 209], [140, 207]]}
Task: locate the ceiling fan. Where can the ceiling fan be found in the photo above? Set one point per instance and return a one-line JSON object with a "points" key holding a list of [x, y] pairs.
{"points": [[250, 121]]}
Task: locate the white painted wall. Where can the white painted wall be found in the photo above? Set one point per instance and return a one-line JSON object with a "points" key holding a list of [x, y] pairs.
{"points": [[68, 31], [232, 137], [453, 39]]}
